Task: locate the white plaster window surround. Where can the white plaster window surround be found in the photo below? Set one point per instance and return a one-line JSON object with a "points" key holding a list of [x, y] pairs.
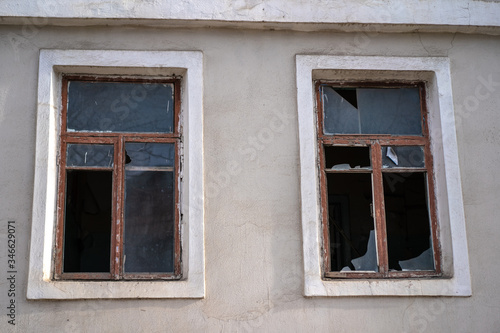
{"points": [[54, 63], [435, 72]]}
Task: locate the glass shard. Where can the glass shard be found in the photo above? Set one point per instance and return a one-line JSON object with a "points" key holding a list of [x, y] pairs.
{"points": [[405, 156], [414, 264], [392, 155], [120, 107], [367, 262]]}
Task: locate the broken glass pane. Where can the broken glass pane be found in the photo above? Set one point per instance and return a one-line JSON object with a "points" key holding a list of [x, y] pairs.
{"points": [[87, 221], [403, 157], [393, 111], [340, 116], [120, 107], [150, 154], [149, 222], [341, 158], [367, 262], [407, 221], [81, 155], [423, 260], [351, 225]]}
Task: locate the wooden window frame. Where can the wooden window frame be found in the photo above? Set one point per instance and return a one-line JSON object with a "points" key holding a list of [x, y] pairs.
{"points": [[375, 143], [118, 140]]}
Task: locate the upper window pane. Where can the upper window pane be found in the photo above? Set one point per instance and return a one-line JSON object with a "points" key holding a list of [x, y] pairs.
{"points": [[120, 107], [393, 111]]}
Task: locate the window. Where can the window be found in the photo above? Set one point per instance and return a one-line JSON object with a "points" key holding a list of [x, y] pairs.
{"points": [[376, 181], [97, 172], [118, 179], [381, 199]]}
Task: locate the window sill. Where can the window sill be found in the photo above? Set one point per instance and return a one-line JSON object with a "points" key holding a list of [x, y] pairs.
{"points": [[386, 287], [389, 275], [192, 288]]}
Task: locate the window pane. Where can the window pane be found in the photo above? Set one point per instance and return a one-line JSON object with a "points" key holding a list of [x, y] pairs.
{"points": [[149, 221], [403, 157], [352, 236], [407, 217], [120, 107], [340, 114], [340, 158], [87, 221], [372, 111], [89, 155], [390, 111], [150, 154]]}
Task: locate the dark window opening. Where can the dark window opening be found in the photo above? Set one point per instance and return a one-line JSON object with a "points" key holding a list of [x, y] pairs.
{"points": [[407, 218], [352, 239], [87, 225], [338, 158]]}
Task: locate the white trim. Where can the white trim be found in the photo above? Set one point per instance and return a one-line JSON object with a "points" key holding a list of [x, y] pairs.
{"points": [[436, 72], [52, 64], [454, 13]]}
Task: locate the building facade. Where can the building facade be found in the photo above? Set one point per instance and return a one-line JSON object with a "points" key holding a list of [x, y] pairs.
{"points": [[226, 167]]}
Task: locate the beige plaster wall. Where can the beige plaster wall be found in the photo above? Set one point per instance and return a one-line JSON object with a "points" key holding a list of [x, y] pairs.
{"points": [[252, 217]]}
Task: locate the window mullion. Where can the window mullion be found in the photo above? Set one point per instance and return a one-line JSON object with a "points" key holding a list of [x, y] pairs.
{"points": [[118, 193], [379, 211]]}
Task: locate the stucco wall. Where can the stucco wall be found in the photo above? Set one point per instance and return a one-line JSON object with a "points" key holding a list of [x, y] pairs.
{"points": [[253, 249]]}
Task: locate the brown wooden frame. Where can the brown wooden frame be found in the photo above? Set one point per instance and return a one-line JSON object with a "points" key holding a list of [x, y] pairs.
{"points": [[375, 143], [118, 139]]}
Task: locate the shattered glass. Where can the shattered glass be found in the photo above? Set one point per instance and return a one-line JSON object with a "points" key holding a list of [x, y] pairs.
{"points": [[393, 111]]}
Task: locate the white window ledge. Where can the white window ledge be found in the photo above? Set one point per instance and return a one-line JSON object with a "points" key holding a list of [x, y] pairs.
{"points": [[450, 211], [54, 63]]}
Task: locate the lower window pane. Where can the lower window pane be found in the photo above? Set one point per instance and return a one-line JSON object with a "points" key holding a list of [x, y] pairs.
{"points": [[407, 218], [87, 221], [352, 235], [149, 222]]}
